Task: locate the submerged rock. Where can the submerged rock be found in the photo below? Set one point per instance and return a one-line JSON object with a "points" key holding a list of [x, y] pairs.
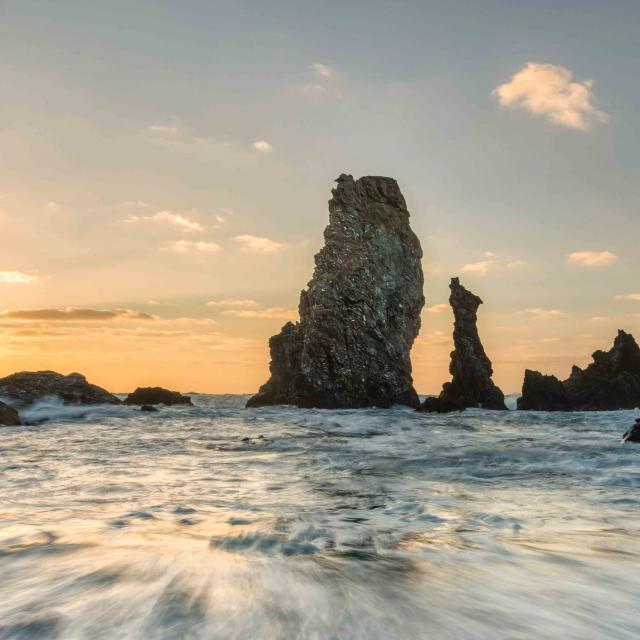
{"points": [[156, 395], [28, 386], [543, 393], [471, 384], [8, 416], [633, 435], [361, 311], [148, 408], [611, 381]]}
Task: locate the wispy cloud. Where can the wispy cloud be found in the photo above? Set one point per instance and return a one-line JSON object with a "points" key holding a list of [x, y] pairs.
{"points": [[635, 297], [168, 218], [548, 90], [163, 129], [263, 146], [592, 258], [18, 277], [543, 314], [322, 70], [278, 313], [232, 303], [437, 308], [75, 314], [189, 246], [480, 268], [256, 244]]}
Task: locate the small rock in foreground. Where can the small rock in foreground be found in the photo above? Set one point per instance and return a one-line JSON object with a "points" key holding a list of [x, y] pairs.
{"points": [[8, 416], [633, 435]]}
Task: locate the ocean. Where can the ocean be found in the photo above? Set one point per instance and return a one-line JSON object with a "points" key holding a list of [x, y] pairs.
{"points": [[219, 522]]}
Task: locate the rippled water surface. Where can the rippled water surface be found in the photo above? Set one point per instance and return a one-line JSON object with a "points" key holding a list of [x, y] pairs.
{"points": [[221, 522]]}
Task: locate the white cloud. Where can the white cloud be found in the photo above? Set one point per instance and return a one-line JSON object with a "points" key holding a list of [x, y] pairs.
{"points": [[278, 313], [592, 258], [480, 268], [188, 246], [322, 70], [548, 90], [598, 319], [75, 314], [255, 244], [516, 264], [543, 314], [17, 277], [178, 220], [437, 308], [262, 145], [635, 297], [232, 303], [163, 129]]}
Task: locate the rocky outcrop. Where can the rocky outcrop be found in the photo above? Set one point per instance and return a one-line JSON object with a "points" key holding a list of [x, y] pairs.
{"points": [[8, 416], [156, 395], [28, 386], [543, 393], [361, 311], [633, 435], [611, 381], [471, 384]]}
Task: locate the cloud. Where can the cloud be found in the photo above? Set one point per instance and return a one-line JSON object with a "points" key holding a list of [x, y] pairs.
{"points": [[263, 146], [547, 90], [543, 314], [635, 297], [516, 264], [598, 319], [592, 258], [322, 70], [17, 277], [232, 303], [480, 268], [274, 313], [177, 220], [74, 313], [437, 308], [188, 246], [256, 244], [163, 129]]}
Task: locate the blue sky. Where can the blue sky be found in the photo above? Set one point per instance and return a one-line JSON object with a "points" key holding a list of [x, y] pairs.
{"points": [[237, 116]]}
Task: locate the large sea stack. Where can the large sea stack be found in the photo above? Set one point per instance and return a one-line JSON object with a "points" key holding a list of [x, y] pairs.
{"points": [[360, 313], [471, 384], [611, 381]]}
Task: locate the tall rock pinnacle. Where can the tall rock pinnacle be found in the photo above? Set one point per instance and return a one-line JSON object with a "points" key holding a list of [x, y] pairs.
{"points": [[471, 384], [360, 313]]}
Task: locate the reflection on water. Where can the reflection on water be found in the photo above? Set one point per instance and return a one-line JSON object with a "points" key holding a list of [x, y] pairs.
{"points": [[220, 522]]}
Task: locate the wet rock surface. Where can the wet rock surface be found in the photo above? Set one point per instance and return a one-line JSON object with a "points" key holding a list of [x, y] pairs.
{"points": [[149, 396], [26, 387], [471, 384], [8, 416], [360, 313], [610, 382], [633, 435], [543, 393]]}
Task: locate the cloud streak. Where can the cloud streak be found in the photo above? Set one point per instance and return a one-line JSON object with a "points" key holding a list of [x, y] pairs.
{"points": [[592, 258], [257, 244], [549, 91], [17, 277], [75, 314], [167, 218]]}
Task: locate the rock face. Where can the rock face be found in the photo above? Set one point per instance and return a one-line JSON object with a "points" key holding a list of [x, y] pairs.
{"points": [[8, 416], [633, 435], [156, 395], [543, 393], [28, 386], [471, 384], [611, 381], [361, 311]]}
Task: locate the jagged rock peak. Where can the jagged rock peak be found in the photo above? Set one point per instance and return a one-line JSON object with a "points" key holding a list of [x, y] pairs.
{"points": [[543, 393], [361, 311], [471, 384]]}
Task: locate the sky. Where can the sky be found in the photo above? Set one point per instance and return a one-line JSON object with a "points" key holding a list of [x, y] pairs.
{"points": [[165, 169]]}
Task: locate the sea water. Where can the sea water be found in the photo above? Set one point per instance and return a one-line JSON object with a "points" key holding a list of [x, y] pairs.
{"points": [[216, 521]]}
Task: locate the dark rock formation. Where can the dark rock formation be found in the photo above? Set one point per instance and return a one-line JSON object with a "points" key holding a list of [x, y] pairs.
{"points": [[361, 311], [543, 393], [156, 395], [8, 416], [471, 384], [611, 381], [148, 408], [28, 386], [633, 435]]}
